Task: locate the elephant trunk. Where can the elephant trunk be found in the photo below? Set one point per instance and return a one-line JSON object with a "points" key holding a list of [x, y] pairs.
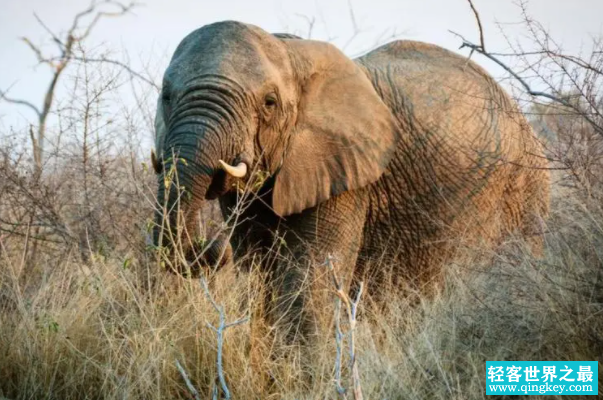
{"points": [[204, 121], [191, 171]]}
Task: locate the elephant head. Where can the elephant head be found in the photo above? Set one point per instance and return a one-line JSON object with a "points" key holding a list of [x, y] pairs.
{"points": [[237, 99]]}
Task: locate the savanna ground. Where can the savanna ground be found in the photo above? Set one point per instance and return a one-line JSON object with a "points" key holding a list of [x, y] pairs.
{"points": [[87, 310]]}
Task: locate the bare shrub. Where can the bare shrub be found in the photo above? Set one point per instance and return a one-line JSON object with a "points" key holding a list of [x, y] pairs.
{"points": [[574, 146], [562, 94]]}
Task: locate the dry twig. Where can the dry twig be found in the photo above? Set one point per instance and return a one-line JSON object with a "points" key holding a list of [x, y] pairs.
{"points": [[479, 25], [223, 325], [351, 307], [188, 382], [589, 116]]}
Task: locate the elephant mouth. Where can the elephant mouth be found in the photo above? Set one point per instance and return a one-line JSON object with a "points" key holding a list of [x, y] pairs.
{"points": [[225, 178], [219, 185]]}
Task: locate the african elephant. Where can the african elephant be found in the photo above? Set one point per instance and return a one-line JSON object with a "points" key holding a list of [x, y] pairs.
{"points": [[384, 161]]}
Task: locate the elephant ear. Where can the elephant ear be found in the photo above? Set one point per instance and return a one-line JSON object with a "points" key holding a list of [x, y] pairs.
{"points": [[344, 136]]}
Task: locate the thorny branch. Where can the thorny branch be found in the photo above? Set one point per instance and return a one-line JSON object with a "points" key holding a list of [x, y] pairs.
{"points": [[478, 48], [481, 49]]}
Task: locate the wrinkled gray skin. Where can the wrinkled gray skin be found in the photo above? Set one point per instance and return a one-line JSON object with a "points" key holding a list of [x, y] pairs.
{"points": [[387, 162]]}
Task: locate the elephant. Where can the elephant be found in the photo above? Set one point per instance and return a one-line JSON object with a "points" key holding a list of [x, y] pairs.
{"points": [[384, 162]]}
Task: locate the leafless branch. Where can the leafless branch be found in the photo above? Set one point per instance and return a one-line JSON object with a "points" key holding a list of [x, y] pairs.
{"points": [[352, 16], [547, 52], [55, 38], [124, 66], [188, 382], [566, 103], [356, 30], [4, 97], [341, 392], [34, 141], [223, 325], [524, 84], [123, 9], [58, 64], [36, 50], [479, 24], [351, 307], [310, 21]]}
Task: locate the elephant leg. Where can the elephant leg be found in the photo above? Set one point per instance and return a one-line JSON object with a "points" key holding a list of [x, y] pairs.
{"points": [[302, 279]]}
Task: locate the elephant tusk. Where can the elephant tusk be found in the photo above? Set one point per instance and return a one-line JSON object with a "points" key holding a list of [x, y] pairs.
{"points": [[238, 172]]}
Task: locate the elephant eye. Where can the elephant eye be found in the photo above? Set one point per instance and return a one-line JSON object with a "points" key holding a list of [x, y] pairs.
{"points": [[165, 101], [270, 101]]}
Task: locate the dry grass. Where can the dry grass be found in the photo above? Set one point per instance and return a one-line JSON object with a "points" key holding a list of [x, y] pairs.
{"points": [[112, 324]]}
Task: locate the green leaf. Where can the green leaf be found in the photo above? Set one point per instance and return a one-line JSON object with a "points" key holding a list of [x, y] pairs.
{"points": [[53, 326]]}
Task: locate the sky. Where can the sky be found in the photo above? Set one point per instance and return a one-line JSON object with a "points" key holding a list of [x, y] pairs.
{"points": [[153, 30]]}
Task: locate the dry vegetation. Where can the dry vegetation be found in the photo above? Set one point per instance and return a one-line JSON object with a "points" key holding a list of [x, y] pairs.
{"points": [[113, 323], [88, 311]]}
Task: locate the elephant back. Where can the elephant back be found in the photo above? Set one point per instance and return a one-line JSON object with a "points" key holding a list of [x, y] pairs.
{"points": [[468, 163]]}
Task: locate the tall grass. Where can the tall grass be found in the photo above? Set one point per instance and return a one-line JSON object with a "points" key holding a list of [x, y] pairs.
{"points": [[112, 324]]}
